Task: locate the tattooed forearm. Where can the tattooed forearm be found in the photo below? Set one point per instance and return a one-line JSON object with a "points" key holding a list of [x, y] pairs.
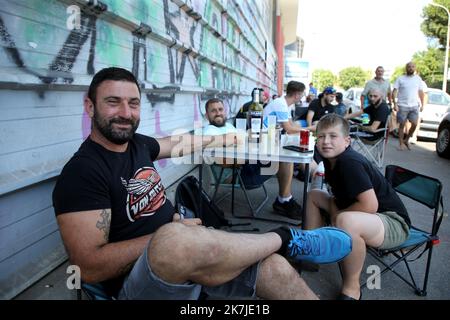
{"points": [[104, 223]]}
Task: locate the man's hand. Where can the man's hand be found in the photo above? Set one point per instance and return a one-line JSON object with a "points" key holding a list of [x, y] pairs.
{"points": [[230, 139], [189, 222]]}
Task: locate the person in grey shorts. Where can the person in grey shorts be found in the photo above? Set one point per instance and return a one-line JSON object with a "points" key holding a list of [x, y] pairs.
{"points": [[119, 227], [362, 202], [410, 91]]}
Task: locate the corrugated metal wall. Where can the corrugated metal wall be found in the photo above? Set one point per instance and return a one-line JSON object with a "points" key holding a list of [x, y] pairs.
{"points": [[183, 52]]}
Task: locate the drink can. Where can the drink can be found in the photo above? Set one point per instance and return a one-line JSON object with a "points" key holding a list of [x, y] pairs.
{"points": [[304, 138]]}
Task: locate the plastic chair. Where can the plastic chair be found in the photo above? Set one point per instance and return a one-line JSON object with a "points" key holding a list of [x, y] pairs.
{"points": [[427, 191], [373, 150]]}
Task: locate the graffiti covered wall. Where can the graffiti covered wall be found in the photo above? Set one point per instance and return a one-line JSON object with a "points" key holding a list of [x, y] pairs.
{"points": [[182, 51]]}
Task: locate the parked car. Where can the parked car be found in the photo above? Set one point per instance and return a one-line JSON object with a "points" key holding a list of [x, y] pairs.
{"points": [[443, 139], [438, 103], [352, 99]]}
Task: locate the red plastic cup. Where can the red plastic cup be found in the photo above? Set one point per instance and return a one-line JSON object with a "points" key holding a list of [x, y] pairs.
{"points": [[304, 139]]}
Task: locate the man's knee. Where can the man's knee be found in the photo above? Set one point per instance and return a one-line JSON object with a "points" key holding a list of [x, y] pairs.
{"points": [[179, 249], [274, 267], [165, 246]]}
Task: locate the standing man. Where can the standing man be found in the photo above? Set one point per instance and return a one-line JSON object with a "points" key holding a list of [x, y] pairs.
{"points": [[377, 83], [410, 90]]}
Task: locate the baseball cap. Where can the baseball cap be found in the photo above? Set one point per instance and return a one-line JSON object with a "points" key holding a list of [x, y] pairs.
{"points": [[329, 90]]}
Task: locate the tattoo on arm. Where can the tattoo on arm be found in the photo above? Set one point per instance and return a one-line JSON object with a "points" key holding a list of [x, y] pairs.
{"points": [[104, 223]]}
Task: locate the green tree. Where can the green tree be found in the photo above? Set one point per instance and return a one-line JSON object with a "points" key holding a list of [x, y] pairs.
{"points": [[353, 77], [434, 24], [398, 71], [430, 65], [323, 78]]}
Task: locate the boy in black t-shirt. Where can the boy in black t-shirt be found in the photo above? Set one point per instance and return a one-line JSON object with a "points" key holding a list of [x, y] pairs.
{"points": [[362, 201]]}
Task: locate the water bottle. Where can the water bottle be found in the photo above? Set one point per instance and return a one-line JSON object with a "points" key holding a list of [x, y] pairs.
{"points": [[319, 177], [365, 118]]}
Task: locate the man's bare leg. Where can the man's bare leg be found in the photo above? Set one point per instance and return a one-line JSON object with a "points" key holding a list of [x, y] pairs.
{"points": [[277, 279], [411, 131], [178, 253], [365, 229], [401, 135], [284, 176]]}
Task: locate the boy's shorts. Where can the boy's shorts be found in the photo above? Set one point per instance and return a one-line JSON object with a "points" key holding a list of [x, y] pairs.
{"points": [[143, 284], [396, 230]]}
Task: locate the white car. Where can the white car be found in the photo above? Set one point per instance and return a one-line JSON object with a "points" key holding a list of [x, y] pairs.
{"points": [[443, 140], [438, 103], [352, 99]]}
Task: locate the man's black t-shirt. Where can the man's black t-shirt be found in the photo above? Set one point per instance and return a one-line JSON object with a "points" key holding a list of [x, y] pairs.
{"points": [[127, 183], [380, 113], [354, 174], [319, 110]]}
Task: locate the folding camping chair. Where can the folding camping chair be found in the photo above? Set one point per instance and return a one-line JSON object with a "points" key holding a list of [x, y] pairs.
{"points": [[427, 191], [373, 150]]}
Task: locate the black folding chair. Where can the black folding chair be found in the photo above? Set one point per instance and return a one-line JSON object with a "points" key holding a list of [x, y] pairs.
{"points": [[427, 191]]}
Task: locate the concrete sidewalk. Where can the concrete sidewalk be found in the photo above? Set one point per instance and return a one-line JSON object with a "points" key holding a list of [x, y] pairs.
{"points": [[326, 282]]}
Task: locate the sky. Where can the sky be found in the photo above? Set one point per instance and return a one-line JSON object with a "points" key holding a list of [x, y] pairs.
{"points": [[365, 33]]}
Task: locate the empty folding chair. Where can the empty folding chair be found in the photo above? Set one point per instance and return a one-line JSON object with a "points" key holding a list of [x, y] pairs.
{"points": [[424, 190]]}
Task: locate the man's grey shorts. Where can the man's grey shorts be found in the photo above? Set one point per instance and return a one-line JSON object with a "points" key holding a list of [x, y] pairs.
{"points": [[412, 114], [143, 284], [396, 230]]}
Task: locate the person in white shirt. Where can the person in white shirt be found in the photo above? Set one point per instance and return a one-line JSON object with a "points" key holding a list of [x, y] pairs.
{"points": [[216, 115], [285, 204], [410, 90]]}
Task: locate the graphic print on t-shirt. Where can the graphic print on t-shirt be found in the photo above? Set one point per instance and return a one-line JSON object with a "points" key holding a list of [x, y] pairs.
{"points": [[145, 193]]}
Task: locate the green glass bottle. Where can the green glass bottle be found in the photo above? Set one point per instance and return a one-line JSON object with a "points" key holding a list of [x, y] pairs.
{"points": [[256, 113]]}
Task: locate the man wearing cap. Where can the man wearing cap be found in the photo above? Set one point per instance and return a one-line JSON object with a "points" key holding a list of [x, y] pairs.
{"points": [[320, 107]]}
